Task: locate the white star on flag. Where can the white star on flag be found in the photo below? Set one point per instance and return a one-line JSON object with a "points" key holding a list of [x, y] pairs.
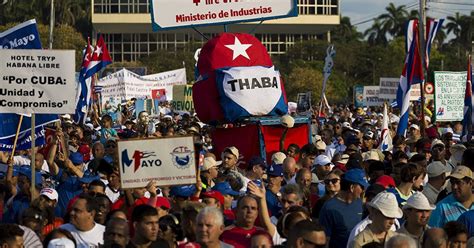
{"points": [[239, 49], [98, 50]]}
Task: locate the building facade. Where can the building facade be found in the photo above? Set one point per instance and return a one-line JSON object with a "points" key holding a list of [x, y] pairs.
{"points": [[126, 27]]}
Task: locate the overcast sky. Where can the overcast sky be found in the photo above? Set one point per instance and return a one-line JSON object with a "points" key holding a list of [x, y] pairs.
{"points": [[361, 10]]}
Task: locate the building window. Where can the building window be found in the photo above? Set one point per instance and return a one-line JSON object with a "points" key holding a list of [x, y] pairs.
{"points": [[121, 6], [318, 7]]}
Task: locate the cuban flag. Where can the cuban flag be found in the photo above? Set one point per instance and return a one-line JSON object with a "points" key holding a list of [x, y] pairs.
{"points": [[412, 73], [385, 137], [468, 117], [432, 27], [93, 62]]}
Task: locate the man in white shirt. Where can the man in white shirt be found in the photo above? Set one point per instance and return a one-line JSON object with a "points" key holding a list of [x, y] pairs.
{"points": [[82, 226]]}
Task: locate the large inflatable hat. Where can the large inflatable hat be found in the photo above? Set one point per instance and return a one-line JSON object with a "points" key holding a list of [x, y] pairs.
{"points": [[237, 80]]}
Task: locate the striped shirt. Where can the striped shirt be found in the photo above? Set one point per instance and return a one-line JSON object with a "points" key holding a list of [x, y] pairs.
{"points": [[449, 209]]}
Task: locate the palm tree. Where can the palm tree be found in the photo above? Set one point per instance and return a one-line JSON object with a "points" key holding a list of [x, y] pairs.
{"points": [[345, 31], [376, 34], [394, 20], [461, 27]]}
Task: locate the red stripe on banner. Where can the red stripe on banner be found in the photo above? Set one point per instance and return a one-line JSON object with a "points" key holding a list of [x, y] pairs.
{"points": [[271, 136]]}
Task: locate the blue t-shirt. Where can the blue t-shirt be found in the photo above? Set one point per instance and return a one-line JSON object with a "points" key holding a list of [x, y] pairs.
{"points": [[449, 209], [19, 204], [339, 218], [273, 203], [68, 188], [467, 219]]}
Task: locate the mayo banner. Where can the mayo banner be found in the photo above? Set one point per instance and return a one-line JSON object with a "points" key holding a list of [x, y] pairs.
{"points": [[388, 89], [183, 98], [167, 14], [126, 84], [168, 161], [31, 80], [371, 96], [23, 36], [450, 88], [250, 91]]}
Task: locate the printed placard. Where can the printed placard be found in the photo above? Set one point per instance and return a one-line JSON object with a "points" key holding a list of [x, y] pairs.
{"points": [[450, 88], [168, 14], [37, 81], [168, 161]]}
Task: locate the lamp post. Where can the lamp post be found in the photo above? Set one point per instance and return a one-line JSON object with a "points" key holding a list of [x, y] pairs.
{"points": [[373, 68]]}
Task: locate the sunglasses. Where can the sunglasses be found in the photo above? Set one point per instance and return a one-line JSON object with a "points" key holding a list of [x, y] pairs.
{"points": [[313, 244], [331, 181]]}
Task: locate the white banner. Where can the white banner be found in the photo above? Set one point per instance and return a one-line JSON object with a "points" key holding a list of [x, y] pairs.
{"points": [[450, 88], [168, 14], [30, 81], [168, 161], [256, 89], [126, 84], [371, 96], [388, 89]]}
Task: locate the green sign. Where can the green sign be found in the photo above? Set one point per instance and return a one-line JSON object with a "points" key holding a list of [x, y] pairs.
{"points": [[183, 98]]}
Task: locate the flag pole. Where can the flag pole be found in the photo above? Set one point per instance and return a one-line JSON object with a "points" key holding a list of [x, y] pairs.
{"points": [[421, 28], [16, 137], [33, 157]]}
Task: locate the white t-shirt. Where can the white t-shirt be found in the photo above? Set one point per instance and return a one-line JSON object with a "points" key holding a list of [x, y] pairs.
{"points": [[113, 196], [91, 238]]}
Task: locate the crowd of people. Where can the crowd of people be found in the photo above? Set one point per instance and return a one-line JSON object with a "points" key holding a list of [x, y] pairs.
{"points": [[340, 190]]}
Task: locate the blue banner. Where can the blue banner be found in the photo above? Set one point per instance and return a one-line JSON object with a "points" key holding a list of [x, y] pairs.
{"points": [[22, 36], [358, 96], [24, 140]]}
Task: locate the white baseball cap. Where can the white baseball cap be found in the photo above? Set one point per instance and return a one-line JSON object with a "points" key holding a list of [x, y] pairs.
{"points": [[61, 242], [419, 201], [387, 204], [278, 157], [51, 193], [208, 163], [322, 160]]}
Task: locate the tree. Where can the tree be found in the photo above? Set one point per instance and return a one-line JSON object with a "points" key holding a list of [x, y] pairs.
{"points": [[461, 27], [394, 20], [345, 31], [376, 33]]}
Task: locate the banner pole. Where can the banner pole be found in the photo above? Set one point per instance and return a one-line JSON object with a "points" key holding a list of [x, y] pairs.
{"points": [[421, 27], [16, 137], [33, 157]]}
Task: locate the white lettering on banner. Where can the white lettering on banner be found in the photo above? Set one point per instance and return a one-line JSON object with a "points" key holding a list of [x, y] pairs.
{"points": [[450, 88], [257, 94], [172, 14], [126, 84], [23, 41], [168, 161], [31, 80]]}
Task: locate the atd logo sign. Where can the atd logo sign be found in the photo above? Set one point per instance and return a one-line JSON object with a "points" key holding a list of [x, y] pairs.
{"points": [[139, 159], [167, 161]]}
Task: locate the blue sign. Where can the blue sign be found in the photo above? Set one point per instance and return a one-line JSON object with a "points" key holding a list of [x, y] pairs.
{"points": [[24, 140], [22, 36], [358, 96]]}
